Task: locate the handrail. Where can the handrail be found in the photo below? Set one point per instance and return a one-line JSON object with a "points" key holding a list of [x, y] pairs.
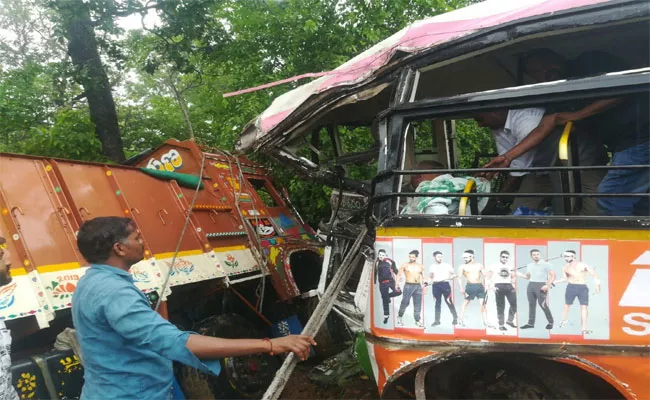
{"points": [[563, 150], [462, 206]]}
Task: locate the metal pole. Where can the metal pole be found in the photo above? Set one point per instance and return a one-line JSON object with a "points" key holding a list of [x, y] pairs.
{"points": [[319, 315]]}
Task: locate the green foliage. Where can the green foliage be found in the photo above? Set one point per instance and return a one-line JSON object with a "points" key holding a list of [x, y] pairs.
{"points": [[199, 50], [70, 136], [472, 140]]}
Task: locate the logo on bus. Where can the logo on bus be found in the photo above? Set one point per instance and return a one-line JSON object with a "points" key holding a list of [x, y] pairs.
{"points": [[637, 295]]}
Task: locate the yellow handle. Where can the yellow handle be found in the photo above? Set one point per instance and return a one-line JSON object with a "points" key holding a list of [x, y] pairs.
{"points": [[563, 151], [462, 206]]}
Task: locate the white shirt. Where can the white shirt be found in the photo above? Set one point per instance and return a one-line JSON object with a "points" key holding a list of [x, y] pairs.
{"points": [[501, 273], [519, 124], [441, 272]]}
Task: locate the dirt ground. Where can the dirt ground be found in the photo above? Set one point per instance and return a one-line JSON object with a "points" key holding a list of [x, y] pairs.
{"points": [[300, 387]]}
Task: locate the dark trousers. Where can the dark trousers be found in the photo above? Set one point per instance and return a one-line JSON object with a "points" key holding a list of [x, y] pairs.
{"points": [[443, 290], [411, 290], [535, 295], [506, 291], [387, 290]]}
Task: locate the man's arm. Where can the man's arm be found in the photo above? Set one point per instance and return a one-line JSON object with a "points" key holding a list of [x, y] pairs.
{"points": [[532, 140], [209, 347], [422, 276], [565, 275], [592, 272], [393, 266], [550, 278], [400, 272], [488, 279], [129, 314], [460, 278], [592, 109]]}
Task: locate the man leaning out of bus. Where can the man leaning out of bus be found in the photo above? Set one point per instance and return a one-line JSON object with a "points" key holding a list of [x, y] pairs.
{"points": [[438, 183]]}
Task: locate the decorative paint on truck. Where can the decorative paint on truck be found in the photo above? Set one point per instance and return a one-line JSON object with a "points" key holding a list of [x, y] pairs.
{"points": [[44, 201]]}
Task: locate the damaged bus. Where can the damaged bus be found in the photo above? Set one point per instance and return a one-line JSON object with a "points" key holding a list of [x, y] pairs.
{"points": [[539, 302]]}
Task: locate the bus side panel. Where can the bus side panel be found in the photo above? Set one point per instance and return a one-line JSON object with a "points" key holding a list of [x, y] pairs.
{"points": [[600, 297]]}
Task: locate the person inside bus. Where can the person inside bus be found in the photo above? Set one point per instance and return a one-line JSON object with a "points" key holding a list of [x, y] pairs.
{"points": [[510, 127], [622, 124], [441, 183]]}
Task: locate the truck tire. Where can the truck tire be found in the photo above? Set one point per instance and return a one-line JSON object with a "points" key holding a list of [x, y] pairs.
{"points": [[242, 377]]}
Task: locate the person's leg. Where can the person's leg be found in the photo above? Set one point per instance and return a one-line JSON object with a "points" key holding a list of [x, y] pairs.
{"points": [[482, 297], [437, 296], [462, 310], [583, 298], [569, 298], [500, 298], [627, 181], [543, 304], [417, 304], [394, 292], [511, 295], [385, 298], [532, 303], [450, 302], [407, 292]]}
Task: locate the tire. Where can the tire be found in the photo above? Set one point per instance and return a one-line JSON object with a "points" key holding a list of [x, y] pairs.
{"points": [[245, 377]]}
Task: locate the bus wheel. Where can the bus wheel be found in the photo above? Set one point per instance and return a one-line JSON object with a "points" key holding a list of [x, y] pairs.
{"points": [[245, 377], [500, 376]]}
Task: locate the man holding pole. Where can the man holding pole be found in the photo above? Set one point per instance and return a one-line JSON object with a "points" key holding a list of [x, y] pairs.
{"points": [[127, 348]]}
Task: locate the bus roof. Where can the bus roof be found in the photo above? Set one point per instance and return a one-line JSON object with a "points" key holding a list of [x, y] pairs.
{"points": [[417, 39]]}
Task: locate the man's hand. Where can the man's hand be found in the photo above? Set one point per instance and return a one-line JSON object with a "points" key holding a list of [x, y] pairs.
{"points": [[564, 117], [497, 162], [297, 344], [544, 288]]}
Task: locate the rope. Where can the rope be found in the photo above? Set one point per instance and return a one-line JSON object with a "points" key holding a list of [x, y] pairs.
{"points": [[180, 239], [257, 242]]}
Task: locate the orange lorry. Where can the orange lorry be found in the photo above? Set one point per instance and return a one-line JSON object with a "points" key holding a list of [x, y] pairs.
{"points": [[240, 232]]}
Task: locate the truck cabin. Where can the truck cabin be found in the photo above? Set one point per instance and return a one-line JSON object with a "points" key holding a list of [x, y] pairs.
{"points": [[341, 138]]}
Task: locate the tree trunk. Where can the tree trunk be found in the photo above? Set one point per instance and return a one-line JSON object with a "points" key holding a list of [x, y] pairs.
{"points": [[90, 73]]}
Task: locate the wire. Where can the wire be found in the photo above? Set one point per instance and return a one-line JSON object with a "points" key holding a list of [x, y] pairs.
{"points": [[257, 242], [180, 239]]}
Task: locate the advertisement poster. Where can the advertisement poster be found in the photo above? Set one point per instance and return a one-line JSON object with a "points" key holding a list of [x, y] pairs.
{"points": [[480, 288]]}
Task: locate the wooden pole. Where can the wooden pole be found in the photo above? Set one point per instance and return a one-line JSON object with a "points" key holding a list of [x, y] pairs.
{"points": [[319, 315]]}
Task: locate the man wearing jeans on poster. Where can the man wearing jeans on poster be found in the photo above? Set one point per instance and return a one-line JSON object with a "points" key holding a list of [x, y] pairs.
{"points": [[385, 271], [441, 273], [500, 277], [413, 273], [541, 276]]}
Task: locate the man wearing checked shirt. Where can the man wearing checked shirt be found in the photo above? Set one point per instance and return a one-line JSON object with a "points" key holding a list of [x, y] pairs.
{"points": [[127, 348]]}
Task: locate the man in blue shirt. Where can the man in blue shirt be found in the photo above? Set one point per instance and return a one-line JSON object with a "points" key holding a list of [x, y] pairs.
{"points": [[127, 348]]}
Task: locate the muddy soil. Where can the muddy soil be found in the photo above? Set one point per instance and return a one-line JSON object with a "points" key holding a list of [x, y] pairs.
{"points": [[300, 387]]}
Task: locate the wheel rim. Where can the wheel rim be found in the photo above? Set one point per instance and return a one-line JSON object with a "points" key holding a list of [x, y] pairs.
{"points": [[250, 375]]}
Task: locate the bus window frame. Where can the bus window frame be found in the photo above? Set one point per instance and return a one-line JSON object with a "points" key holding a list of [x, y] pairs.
{"points": [[398, 117]]}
